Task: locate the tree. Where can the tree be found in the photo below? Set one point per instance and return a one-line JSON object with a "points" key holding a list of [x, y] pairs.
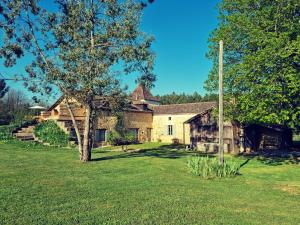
{"points": [[261, 60], [82, 48], [174, 98], [3, 88], [15, 107]]}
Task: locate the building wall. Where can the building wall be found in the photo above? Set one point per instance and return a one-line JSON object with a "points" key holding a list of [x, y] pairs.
{"points": [[181, 131], [142, 121], [205, 134], [133, 120]]}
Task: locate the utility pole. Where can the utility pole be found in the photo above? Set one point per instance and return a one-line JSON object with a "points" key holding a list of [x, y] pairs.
{"points": [[221, 116]]}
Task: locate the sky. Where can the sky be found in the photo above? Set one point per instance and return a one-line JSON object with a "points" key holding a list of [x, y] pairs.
{"points": [[181, 30]]}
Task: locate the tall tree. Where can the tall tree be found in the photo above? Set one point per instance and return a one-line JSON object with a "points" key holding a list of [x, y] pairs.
{"points": [[261, 60], [3, 88], [82, 47]]}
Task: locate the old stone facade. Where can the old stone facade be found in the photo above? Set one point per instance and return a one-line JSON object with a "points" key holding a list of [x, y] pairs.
{"points": [[191, 124], [145, 117]]}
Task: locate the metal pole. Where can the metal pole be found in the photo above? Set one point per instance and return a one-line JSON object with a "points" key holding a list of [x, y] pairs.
{"points": [[221, 118]]}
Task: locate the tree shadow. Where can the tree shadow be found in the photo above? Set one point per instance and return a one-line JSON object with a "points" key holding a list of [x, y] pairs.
{"points": [[275, 158], [164, 151]]}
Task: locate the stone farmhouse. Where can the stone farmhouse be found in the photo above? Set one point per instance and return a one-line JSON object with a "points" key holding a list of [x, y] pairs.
{"points": [[190, 124]]}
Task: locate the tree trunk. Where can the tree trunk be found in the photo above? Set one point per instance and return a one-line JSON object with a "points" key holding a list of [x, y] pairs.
{"points": [[86, 148], [76, 129]]}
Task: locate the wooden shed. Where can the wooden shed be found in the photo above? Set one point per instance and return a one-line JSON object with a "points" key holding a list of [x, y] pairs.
{"points": [[204, 135], [258, 137]]}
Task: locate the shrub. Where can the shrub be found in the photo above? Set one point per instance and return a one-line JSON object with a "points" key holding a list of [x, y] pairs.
{"points": [[206, 167], [123, 137], [114, 137], [6, 132], [50, 132]]}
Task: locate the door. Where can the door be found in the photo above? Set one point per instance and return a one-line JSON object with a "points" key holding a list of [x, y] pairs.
{"points": [[149, 134]]}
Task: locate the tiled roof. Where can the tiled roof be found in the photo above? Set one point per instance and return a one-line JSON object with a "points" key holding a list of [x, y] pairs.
{"points": [[188, 108], [142, 93]]}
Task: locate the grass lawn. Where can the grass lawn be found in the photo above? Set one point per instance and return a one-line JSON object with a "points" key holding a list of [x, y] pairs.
{"points": [[44, 185]]}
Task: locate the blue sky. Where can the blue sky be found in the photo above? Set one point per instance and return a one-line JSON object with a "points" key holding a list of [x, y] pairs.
{"points": [[181, 30]]}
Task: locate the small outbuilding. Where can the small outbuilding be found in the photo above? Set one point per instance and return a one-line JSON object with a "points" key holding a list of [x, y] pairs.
{"points": [[204, 135]]}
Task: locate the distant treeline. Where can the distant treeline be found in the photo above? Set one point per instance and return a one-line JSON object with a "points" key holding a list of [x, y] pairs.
{"points": [[174, 98]]}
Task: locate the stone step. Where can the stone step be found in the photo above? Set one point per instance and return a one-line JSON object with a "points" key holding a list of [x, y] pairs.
{"points": [[26, 138], [27, 129], [23, 134]]}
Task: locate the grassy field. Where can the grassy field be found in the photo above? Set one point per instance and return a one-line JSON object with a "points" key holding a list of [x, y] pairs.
{"points": [[44, 185]]}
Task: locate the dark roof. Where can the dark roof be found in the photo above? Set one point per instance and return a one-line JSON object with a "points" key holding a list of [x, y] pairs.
{"points": [[58, 101], [187, 108], [129, 107], [142, 93], [198, 115]]}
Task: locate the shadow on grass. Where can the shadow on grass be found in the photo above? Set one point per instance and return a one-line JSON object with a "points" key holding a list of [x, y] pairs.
{"points": [[164, 151], [275, 158]]}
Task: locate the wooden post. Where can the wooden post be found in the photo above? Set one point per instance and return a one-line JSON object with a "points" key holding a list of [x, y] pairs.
{"points": [[221, 116]]}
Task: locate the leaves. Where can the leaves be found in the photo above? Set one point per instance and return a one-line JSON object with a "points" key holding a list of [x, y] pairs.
{"points": [[261, 60]]}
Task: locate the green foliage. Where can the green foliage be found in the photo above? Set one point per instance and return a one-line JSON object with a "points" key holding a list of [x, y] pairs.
{"points": [[174, 98], [50, 132], [120, 135], [14, 108], [114, 137], [206, 167], [261, 60], [81, 48], [6, 132], [77, 47], [123, 137]]}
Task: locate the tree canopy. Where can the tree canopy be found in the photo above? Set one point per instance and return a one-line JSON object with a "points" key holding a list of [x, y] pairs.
{"points": [[83, 47], [261, 60], [174, 98]]}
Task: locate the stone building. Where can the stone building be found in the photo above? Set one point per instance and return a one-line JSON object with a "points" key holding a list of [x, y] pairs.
{"points": [[190, 124]]}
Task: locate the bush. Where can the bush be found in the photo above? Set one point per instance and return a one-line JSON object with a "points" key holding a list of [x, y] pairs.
{"points": [[6, 132], [120, 137], [114, 138], [206, 167], [50, 132]]}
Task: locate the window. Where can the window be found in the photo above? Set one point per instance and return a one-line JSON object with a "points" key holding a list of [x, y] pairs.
{"points": [[170, 129], [73, 134], [100, 135]]}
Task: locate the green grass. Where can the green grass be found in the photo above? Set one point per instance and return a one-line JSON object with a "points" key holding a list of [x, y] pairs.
{"points": [[47, 185]]}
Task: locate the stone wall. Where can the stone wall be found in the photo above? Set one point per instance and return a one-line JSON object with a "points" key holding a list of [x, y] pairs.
{"points": [[142, 121]]}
